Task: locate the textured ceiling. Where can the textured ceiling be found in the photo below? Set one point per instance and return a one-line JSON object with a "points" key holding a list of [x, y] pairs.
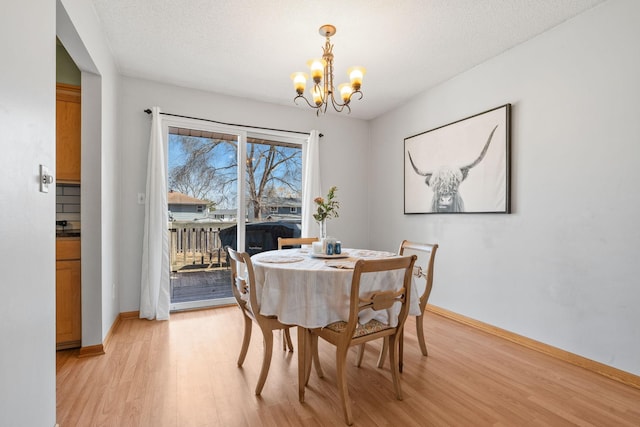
{"points": [[249, 48]]}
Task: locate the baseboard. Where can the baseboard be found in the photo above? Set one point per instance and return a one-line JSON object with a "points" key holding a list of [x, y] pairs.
{"points": [[100, 349], [91, 351], [127, 315], [67, 345], [574, 359]]}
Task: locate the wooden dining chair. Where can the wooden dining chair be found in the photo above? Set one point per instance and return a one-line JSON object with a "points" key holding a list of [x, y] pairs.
{"points": [[295, 241], [244, 290], [423, 275], [344, 334]]}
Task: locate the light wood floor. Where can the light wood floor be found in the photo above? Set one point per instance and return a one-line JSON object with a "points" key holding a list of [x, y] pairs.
{"points": [[183, 372]]}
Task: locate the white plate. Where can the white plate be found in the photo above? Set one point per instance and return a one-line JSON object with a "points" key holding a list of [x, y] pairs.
{"points": [[334, 256]]}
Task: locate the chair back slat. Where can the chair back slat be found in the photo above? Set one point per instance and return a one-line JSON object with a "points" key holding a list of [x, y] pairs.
{"points": [[295, 241], [382, 300]]}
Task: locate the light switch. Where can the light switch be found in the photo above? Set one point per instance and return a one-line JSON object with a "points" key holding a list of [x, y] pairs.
{"points": [[45, 179]]}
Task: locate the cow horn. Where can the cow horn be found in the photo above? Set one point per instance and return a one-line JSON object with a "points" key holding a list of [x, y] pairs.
{"points": [[415, 168], [427, 175], [465, 169]]}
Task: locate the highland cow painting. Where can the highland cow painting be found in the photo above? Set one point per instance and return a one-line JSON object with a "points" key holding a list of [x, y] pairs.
{"points": [[462, 167]]}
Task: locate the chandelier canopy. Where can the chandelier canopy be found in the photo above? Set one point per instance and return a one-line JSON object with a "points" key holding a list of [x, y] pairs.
{"points": [[321, 69]]}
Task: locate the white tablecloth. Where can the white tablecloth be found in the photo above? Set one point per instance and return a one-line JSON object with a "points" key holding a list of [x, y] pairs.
{"points": [[306, 291]]}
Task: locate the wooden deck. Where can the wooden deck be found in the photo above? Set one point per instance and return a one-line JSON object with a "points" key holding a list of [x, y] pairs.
{"points": [[200, 282]]}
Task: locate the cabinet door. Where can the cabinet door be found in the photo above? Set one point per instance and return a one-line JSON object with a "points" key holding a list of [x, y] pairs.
{"points": [[68, 133], [68, 304]]}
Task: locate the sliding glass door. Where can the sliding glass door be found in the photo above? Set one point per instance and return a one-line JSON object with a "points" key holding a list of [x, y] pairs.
{"points": [[227, 187]]}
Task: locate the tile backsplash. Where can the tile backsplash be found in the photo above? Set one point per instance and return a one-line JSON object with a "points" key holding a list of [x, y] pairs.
{"points": [[68, 204]]}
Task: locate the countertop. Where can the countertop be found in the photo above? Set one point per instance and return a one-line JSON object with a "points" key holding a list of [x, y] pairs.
{"points": [[67, 234]]}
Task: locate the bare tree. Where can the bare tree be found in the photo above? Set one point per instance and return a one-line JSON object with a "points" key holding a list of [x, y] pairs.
{"points": [[208, 170], [267, 166]]}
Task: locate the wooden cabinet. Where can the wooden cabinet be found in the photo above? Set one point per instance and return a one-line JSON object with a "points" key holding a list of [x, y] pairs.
{"points": [[67, 133], [68, 302]]}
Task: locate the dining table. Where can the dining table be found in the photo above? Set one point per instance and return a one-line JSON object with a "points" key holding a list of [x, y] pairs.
{"points": [[311, 290]]}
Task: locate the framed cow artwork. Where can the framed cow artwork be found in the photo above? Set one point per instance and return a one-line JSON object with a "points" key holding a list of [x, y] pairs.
{"points": [[461, 167]]}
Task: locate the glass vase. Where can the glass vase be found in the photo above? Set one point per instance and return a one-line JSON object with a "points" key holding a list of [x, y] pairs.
{"points": [[323, 230]]}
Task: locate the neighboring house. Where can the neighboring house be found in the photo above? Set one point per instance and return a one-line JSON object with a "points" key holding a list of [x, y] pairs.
{"points": [[186, 208], [282, 208]]}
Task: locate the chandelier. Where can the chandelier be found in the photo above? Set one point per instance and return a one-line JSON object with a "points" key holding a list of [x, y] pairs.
{"points": [[321, 69]]}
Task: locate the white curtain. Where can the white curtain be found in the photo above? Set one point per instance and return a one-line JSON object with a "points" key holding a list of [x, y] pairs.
{"points": [[312, 185], [154, 291]]}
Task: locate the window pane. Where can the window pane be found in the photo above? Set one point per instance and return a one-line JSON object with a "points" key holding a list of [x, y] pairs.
{"points": [[203, 204], [202, 199], [274, 182]]}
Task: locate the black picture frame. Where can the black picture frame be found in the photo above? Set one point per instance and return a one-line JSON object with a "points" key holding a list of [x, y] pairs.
{"points": [[461, 167]]}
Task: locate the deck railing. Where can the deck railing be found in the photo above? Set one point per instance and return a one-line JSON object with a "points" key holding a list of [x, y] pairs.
{"points": [[198, 246], [195, 245]]}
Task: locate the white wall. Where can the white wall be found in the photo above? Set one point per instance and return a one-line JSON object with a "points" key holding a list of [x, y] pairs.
{"points": [[342, 150], [27, 253], [27, 120], [79, 31], [563, 267]]}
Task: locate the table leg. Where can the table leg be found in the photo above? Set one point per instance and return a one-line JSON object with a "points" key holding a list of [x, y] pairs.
{"points": [[303, 343]]}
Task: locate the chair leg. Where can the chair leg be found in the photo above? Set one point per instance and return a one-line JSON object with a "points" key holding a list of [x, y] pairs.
{"points": [[420, 331], [266, 360], [393, 362], [316, 358], [383, 352], [245, 339], [400, 348], [341, 379], [287, 340], [360, 356]]}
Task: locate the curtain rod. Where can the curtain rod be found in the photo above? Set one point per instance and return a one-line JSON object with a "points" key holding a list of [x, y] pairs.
{"points": [[148, 111]]}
